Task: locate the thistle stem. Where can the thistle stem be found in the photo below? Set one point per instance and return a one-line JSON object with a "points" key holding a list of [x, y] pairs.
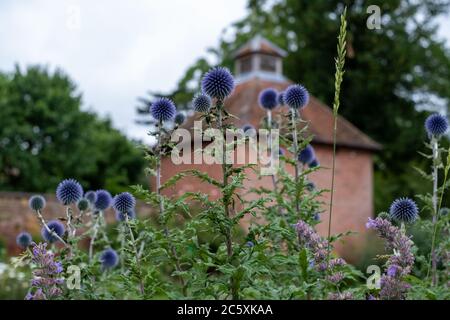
{"points": [[433, 257], [94, 235], [54, 234], [162, 209], [294, 115], [136, 255]]}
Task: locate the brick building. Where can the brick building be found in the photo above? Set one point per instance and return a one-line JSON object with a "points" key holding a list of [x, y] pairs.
{"points": [[259, 65]]}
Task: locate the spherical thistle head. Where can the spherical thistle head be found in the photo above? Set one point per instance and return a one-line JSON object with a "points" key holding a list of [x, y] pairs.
{"points": [[296, 96], [163, 109], [69, 191], [268, 99], [36, 203], [436, 125], [218, 83], [24, 240], [83, 204], [280, 98], [103, 201], [404, 210], [124, 202], [249, 130], [307, 155], [314, 164], [120, 216], [444, 211], [179, 118], [201, 103], [91, 196], [55, 226], [109, 258]]}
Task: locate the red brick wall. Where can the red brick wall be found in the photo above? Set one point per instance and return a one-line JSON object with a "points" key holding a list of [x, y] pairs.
{"points": [[353, 200]]}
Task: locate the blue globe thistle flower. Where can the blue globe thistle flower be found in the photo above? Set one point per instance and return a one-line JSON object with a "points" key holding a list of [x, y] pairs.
{"points": [[314, 163], [103, 201], [268, 99], [23, 240], [218, 83], [404, 210], [163, 109], [109, 258], [120, 216], [69, 191], [57, 227], [281, 101], [83, 204], [296, 96], [250, 244], [36, 203], [124, 202], [307, 155], [91, 196], [310, 186], [444, 211], [179, 118], [202, 103], [436, 125], [316, 217]]}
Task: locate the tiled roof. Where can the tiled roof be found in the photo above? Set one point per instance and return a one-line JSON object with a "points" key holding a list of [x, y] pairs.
{"points": [[243, 104]]}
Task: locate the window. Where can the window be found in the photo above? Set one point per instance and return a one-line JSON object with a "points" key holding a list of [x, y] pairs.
{"points": [[268, 63], [246, 65]]}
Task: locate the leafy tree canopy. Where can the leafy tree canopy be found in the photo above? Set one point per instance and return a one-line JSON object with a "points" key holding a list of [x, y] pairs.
{"points": [[45, 137]]}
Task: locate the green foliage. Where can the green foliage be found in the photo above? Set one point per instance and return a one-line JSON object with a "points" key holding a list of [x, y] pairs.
{"points": [[45, 137]]}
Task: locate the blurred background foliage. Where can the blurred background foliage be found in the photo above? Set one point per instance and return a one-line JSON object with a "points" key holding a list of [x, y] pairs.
{"points": [[394, 75], [46, 137]]}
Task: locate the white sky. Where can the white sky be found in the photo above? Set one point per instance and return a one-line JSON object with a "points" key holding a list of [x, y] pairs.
{"points": [[117, 50]]}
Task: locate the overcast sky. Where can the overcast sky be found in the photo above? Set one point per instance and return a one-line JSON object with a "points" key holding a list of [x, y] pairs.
{"points": [[117, 50]]}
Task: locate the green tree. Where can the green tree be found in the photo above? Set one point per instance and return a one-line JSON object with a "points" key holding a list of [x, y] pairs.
{"points": [[391, 73], [45, 137]]}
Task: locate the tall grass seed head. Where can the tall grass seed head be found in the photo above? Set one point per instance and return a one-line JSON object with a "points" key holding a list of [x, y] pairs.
{"points": [[69, 191], [57, 227], [103, 201], [218, 83], [163, 109], [296, 96], [404, 210], [37, 203], [124, 202], [24, 240], [268, 99]]}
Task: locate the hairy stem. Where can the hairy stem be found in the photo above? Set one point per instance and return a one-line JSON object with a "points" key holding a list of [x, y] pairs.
{"points": [[136, 255], [54, 234], [162, 210], [94, 235], [294, 115], [433, 257]]}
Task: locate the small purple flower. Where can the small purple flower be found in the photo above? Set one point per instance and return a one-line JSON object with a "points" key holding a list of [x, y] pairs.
{"points": [[307, 155], [179, 118], [404, 210], [436, 125], [268, 99], [83, 204], [103, 201], [163, 109], [55, 226], [281, 98], [24, 240], [296, 96], [392, 270], [124, 202], [91, 196], [218, 83], [69, 191], [201, 103], [36, 203], [109, 258]]}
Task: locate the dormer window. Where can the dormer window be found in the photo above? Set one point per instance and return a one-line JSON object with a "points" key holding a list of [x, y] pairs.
{"points": [[245, 65], [268, 63], [259, 58]]}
